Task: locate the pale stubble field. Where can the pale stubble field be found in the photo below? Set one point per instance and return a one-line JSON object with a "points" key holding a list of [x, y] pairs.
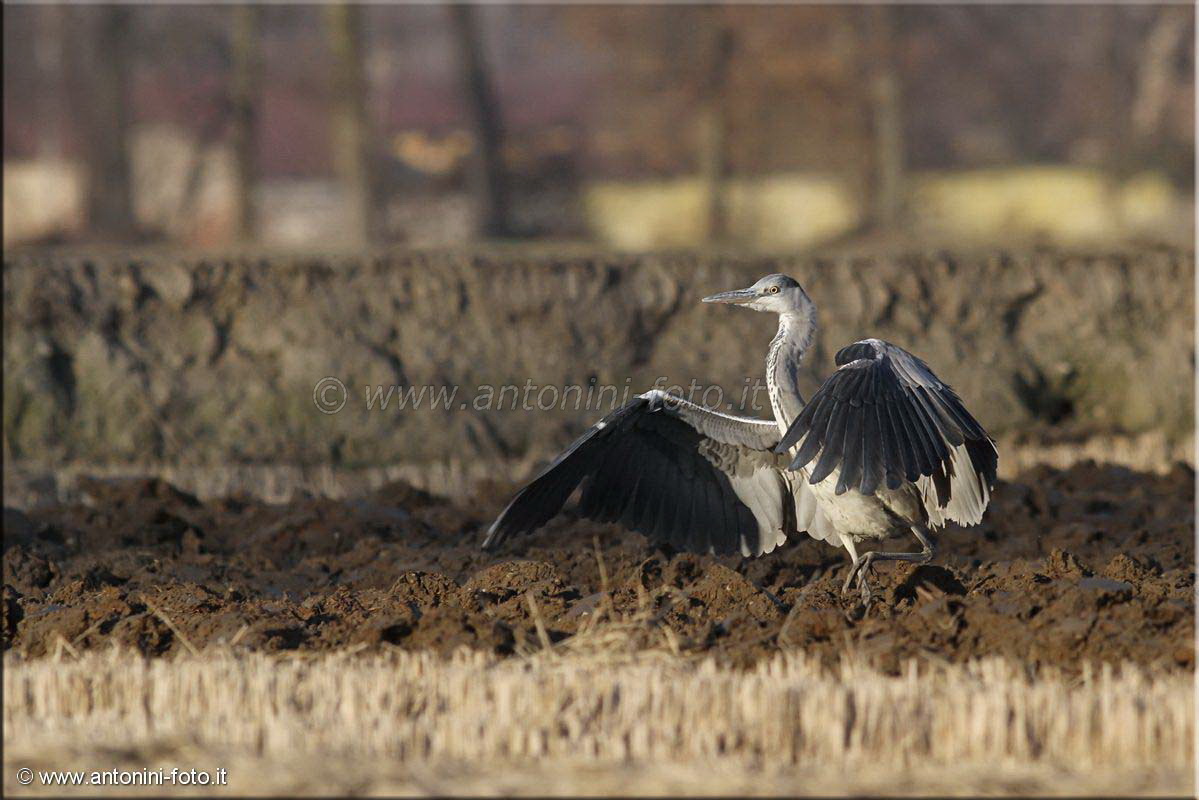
{"points": [[592, 717]]}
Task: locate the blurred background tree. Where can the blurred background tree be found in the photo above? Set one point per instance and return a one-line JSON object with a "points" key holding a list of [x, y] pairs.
{"points": [[351, 134], [244, 99], [102, 51], [636, 126], [485, 120]]}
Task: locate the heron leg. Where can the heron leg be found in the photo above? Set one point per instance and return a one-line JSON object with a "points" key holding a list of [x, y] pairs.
{"points": [[867, 560], [860, 564], [855, 561], [865, 563], [863, 584]]}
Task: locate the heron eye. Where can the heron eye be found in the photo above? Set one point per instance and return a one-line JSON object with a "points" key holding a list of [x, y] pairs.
{"points": [[774, 290]]}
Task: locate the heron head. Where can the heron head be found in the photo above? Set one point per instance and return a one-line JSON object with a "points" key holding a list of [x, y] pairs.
{"points": [[777, 294]]}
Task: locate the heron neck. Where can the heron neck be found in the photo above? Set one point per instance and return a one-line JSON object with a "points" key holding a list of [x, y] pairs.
{"points": [[787, 349]]}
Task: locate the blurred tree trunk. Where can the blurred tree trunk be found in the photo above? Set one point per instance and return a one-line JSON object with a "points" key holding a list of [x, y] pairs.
{"points": [[351, 142], [48, 52], [1156, 73], [713, 133], [489, 178], [110, 193], [244, 97], [888, 162]]}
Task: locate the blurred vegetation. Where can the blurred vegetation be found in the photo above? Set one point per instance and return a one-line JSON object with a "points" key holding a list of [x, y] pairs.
{"points": [[634, 126]]}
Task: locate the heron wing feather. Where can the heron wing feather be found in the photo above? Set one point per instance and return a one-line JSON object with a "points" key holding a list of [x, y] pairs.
{"points": [[884, 415], [701, 480]]}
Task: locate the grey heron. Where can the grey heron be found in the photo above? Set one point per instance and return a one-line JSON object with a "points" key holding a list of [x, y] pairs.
{"points": [[884, 447]]}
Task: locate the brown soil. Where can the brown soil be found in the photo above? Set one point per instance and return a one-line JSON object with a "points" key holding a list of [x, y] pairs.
{"points": [[1089, 563]]}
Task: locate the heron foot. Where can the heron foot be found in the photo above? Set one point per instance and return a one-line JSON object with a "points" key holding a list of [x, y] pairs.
{"points": [[864, 586], [864, 563], [860, 567], [853, 569]]}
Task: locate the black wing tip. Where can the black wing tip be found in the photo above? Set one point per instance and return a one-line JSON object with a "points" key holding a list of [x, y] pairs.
{"points": [[495, 536], [984, 455], [791, 437]]}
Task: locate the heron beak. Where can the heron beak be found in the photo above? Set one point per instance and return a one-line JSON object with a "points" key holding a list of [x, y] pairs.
{"points": [[735, 297]]}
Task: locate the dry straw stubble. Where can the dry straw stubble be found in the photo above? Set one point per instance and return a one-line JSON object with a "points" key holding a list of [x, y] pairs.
{"points": [[642, 717]]}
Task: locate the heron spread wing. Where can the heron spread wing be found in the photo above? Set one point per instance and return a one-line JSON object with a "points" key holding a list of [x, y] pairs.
{"points": [[681, 474], [884, 418]]}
